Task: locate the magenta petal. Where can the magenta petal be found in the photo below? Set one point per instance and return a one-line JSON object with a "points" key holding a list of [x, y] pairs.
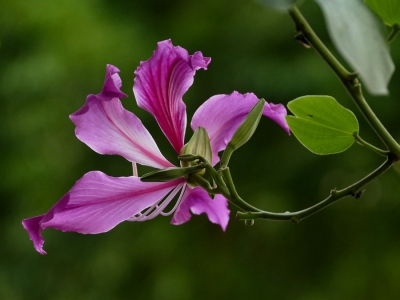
{"points": [[198, 201], [112, 84], [97, 203], [32, 225], [277, 113], [107, 128], [221, 115], [160, 84]]}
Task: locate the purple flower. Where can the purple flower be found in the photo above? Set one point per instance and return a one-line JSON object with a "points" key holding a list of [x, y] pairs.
{"points": [[97, 202]]}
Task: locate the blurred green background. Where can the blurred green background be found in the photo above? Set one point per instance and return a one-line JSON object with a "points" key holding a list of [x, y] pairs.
{"points": [[53, 54]]}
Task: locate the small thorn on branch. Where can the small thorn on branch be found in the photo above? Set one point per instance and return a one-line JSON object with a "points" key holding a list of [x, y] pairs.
{"points": [[300, 37]]}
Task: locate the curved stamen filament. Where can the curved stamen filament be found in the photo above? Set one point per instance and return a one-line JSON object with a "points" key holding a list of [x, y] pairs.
{"points": [[154, 210], [176, 204]]}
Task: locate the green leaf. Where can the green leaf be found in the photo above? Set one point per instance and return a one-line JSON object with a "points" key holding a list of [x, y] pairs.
{"points": [[279, 4], [321, 124], [387, 10], [357, 36]]}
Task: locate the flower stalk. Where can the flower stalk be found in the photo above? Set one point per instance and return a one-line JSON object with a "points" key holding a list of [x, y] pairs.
{"points": [[354, 190], [226, 187]]}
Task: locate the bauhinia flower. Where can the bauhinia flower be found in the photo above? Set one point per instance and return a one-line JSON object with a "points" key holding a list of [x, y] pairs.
{"points": [[97, 202]]}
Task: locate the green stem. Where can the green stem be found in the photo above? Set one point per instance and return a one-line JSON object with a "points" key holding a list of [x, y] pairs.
{"points": [[226, 187], [201, 181], [355, 91], [219, 181], [349, 80], [226, 155], [353, 190], [233, 194], [394, 33], [304, 28], [369, 146], [224, 184]]}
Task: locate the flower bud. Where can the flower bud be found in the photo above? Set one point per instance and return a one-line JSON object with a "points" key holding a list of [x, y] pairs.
{"points": [[244, 131], [248, 127], [199, 144]]}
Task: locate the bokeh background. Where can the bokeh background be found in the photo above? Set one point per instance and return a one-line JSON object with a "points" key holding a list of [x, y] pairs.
{"points": [[53, 54]]}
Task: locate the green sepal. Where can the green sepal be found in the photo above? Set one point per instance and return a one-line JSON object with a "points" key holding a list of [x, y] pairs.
{"points": [[208, 177], [170, 174], [248, 127], [321, 124], [199, 144], [188, 157], [244, 132]]}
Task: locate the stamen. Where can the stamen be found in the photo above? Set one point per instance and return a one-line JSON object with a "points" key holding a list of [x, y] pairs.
{"points": [[163, 203], [134, 168], [165, 214], [154, 210]]}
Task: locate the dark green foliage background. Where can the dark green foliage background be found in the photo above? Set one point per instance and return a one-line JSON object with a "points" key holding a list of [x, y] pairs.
{"points": [[53, 54]]}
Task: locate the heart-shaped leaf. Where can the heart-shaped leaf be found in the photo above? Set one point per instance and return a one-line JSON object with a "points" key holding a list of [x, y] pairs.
{"points": [[321, 124]]}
